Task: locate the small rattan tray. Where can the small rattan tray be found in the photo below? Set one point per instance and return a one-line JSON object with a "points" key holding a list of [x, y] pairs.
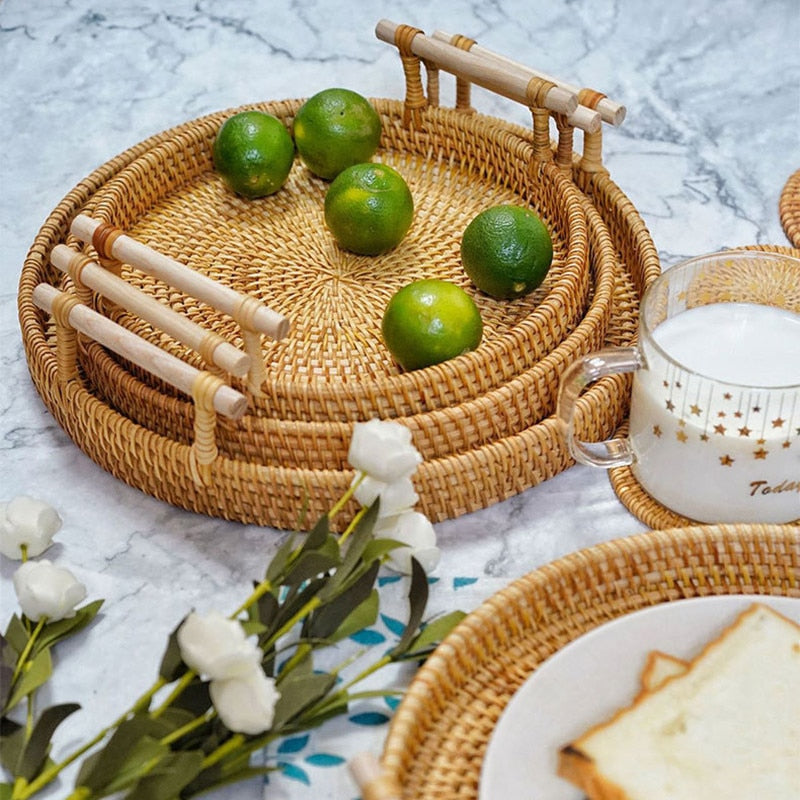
{"points": [[789, 208], [483, 421], [440, 731]]}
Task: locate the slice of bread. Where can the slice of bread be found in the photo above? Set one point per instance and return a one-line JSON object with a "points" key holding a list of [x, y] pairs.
{"points": [[728, 727], [658, 668]]}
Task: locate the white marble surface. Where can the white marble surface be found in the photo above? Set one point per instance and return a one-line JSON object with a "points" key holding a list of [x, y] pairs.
{"points": [[713, 95]]}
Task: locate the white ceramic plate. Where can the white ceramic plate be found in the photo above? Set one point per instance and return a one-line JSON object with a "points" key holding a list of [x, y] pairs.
{"points": [[589, 679]]}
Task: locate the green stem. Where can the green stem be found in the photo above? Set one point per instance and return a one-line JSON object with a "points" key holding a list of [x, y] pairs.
{"points": [[197, 722], [353, 522], [26, 651], [223, 750], [313, 603], [342, 501], [261, 589], [177, 691]]}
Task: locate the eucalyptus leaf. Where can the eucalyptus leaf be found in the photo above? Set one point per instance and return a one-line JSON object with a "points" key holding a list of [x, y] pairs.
{"points": [[277, 565], [318, 535], [54, 632], [298, 693], [215, 778], [266, 609], [34, 755], [194, 700], [431, 634], [362, 616], [37, 673], [359, 539], [6, 679], [8, 655], [169, 777], [172, 665], [143, 757], [16, 634], [124, 751], [324, 622], [311, 564], [417, 599], [253, 627], [6, 790], [12, 743]]}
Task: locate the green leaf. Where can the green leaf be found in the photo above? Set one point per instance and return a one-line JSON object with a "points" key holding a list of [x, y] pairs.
{"points": [[277, 565], [298, 693], [318, 535], [142, 758], [54, 632], [253, 627], [129, 746], [378, 548], [194, 699], [265, 610], [169, 777], [16, 634], [418, 599], [172, 665], [311, 564], [359, 539], [432, 634], [12, 743], [5, 791], [34, 756], [324, 622], [8, 655], [37, 673], [362, 616]]}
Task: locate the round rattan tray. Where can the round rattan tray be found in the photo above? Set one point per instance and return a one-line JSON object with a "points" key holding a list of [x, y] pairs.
{"points": [[789, 208], [439, 732], [482, 421]]}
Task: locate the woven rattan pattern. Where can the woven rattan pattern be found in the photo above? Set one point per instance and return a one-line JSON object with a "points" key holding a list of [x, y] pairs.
{"points": [[449, 485], [789, 208], [624, 483], [440, 731]]}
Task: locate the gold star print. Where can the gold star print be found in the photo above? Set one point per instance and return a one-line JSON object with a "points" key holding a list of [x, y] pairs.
{"points": [[695, 409], [761, 441], [666, 384], [682, 423], [657, 431], [721, 414], [720, 429], [786, 445], [726, 461], [670, 405], [744, 431], [737, 414], [681, 436], [727, 395], [756, 409], [703, 437], [678, 384], [778, 423], [761, 453]]}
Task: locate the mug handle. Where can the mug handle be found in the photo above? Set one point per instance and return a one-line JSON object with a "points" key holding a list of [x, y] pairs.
{"points": [[579, 375]]}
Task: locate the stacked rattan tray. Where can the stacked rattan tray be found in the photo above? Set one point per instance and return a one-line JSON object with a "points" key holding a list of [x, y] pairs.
{"points": [[483, 421], [440, 732]]}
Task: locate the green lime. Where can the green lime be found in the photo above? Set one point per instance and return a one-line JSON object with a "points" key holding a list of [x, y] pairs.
{"points": [[335, 129], [369, 208], [507, 251], [253, 152], [430, 321]]}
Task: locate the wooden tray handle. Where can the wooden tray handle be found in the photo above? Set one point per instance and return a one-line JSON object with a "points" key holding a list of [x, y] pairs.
{"points": [[86, 272], [253, 317]]}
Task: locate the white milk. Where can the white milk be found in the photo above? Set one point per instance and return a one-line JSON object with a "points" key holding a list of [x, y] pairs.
{"points": [[707, 419]]}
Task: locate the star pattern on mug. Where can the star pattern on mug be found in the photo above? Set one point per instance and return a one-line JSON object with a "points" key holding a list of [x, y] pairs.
{"points": [[761, 453], [778, 423], [726, 461], [744, 431]]}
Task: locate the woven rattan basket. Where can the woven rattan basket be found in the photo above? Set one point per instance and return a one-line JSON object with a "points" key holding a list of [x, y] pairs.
{"points": [[483, 421], [440, 731]]}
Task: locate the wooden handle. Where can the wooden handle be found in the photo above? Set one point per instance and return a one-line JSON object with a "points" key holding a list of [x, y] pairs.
{"points": [[582, 117], [609, 111], [479, 71], [126, 249], [182, 376], [208, 344]]}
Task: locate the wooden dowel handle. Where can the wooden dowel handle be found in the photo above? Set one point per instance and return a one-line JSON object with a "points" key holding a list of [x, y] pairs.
{"points": [[222, 353], [172, 272], [609, 111], [478, 70], [182, 376]]}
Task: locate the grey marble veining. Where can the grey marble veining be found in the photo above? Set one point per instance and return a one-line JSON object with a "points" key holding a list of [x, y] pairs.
{"points": [[713, 96]]}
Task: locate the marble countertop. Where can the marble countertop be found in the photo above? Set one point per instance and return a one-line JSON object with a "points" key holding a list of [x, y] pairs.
{"points": [[711, 135]]}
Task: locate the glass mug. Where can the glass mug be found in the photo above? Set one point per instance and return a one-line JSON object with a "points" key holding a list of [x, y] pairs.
{"points": [[714, 431]]}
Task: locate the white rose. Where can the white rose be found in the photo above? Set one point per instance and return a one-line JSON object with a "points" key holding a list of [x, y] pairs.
{"points": [[246, 703], [215, 646], [395, 497], [416, 531], [383, 450], [44, 590], [27, 521]]}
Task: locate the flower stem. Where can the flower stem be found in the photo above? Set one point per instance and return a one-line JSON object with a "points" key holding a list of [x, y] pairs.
{"points": [[181, 685], [313, 603], [352, 525], [197, 722], [26, 651], [261, 589], [342, 501], [223, 750]]}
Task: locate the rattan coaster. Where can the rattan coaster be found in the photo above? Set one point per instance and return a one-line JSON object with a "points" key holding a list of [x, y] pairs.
{"points": [[628, 489], [789, 208]]}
